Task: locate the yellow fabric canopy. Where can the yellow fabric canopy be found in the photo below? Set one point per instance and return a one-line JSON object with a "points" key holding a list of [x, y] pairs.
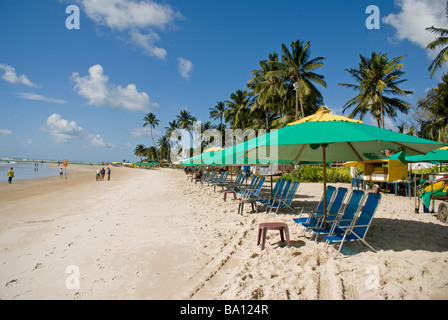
{"points": [[323, 114]]}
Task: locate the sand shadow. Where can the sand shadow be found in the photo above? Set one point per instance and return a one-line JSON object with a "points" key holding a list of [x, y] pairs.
{"points": [[401, 235]]}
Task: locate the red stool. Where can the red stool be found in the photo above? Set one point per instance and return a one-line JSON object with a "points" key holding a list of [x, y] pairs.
{"points": [[229, 191], [264, 227], [242, 202]]}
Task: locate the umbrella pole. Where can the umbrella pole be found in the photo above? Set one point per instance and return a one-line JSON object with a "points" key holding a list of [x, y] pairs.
{"points": [[324, 145]]}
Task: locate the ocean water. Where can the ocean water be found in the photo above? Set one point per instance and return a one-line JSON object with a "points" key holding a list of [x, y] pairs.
{"points": [[25, 169]]}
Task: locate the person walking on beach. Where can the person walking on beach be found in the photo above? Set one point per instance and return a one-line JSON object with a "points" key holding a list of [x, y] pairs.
{"points": [[103, 172], [10, 175], [60, 173], [108, 173]]}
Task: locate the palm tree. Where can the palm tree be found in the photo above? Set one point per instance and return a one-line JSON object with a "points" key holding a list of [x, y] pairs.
{"points": [[297, 68], [164, 147], [139, 151], [185, 120], [217, 112], [434, 118], [377, 77], [172, 126], [237, 113], [441, 41], [151, 121], [268, 90]]}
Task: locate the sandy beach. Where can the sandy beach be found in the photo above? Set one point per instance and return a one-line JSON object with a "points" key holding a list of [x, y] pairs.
{"points": [[152, 234]]}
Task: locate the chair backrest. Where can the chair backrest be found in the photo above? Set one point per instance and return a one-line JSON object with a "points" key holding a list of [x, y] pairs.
{"points": [[224, 176], [292, 192], [238, 178], [283, 193], [330, 193], [243, 177], [254, 182], [336, 204], [366, 214], [352, 207], [260, 184], [278, 186]]}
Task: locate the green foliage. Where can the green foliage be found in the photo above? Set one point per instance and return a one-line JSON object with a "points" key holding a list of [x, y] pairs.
{"points": [[315, 174]]}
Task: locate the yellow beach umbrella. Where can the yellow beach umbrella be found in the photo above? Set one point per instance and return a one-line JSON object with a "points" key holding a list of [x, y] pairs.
{"points": [[322, 115]]}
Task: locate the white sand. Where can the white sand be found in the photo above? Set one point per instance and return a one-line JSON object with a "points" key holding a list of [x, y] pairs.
{"points": [[152, 234]]}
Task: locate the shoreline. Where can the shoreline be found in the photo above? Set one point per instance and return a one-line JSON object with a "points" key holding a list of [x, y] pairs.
{"points": [[152, 234]]}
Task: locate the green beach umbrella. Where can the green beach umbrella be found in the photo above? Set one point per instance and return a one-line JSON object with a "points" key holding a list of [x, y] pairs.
{"points": [[199, 159], [438, 155], [325, 137]]}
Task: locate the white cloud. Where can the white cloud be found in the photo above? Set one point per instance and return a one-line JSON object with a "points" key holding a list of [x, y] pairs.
{"points": [[97, 141], [146, 42], [11, 76], [5, 132], [62, 130], [413, 19], [185, 67], [99, 92], [38, 97], [135, 19]]}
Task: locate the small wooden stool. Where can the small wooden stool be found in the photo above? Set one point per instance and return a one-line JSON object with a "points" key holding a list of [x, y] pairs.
{"points": [[252, 202], [229, 191], [263, 230]]}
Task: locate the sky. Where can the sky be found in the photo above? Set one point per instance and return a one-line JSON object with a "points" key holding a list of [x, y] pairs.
{"points": [[78, 76]]}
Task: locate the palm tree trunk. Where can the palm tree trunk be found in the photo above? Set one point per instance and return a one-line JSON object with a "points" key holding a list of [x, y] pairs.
{"points": [[222, 134], [301, 107], [382, 110], [157, 153]]}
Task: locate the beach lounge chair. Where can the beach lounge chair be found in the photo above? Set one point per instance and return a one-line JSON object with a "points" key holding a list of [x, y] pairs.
{"points": [[216, 178], [281, 193], [252, 184], [286, 201], [255, 191], [330, 192], [239, 180], [358, 229], [204, 176], [276, 192], [332, 213], [210, 177], [221, 181], [345, 218]]}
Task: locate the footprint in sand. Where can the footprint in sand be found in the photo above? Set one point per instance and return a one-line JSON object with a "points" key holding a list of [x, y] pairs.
{"points": [[38, 266], [11, 283]]}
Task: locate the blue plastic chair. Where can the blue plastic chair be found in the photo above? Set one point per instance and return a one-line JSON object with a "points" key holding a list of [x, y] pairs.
{"points": [[346, 217], [330, 192], [255, 191], [275, 193], [357, 230], [238, 183], [251, 185], [285, 202], [332, 213]]}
